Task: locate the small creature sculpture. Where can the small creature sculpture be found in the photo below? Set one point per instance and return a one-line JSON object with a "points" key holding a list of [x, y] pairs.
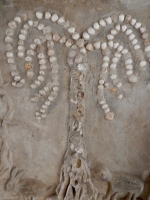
{"points": [[27, 188], [121, 185]]}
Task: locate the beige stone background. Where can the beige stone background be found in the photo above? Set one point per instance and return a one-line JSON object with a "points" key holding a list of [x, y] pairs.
{"points": [[122, 144]]}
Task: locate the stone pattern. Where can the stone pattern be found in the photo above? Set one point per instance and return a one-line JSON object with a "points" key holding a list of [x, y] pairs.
{"points": [[75, 178]]}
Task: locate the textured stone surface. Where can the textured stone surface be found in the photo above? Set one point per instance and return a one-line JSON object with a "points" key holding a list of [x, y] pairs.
{"points": [[121, 144]]}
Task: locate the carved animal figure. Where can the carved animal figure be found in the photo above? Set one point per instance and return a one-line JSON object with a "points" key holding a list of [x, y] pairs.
{"points": [[121, 185], [27, 189]]}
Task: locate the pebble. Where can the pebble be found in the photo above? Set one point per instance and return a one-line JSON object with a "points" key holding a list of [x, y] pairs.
{"points": [[47, 15], [109, 116], [54, 18], [133, 78], [86, 36], [39, 15]]}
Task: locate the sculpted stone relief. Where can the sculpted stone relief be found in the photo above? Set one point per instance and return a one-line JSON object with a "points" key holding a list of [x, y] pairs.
{"points": [[77, 181]]}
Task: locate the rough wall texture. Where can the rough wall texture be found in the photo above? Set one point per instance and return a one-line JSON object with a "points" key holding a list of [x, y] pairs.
{"points": [[88, 135]]}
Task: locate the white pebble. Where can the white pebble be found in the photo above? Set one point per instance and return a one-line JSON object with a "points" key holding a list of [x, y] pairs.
{"points": [[75, 36], [107, 110], [101, 81], [129, 66], [8, 39], [138, 25], [71, 30], [142, 29], [83, 50], [20, 54], [22, 37], [50, 98], [42, 92], [17, 78], [81, 67], [9, 54], [104, 106], [118, 55], [143, 63], [96, 26], [12, 24], [133, 78], [115, 59], [89, 47], [37, 41], [106, 58], [97, 45], [113, 66], [39, 15], [128, 61], [61, 21], [121, 18], [117, 27], [131, 37], [124, 28], [124, 51], [40, 78], [113, 32], [133, 21], [40, 27], [129, 72], [114, 76], [47, 15], [111, 43], [54, 18], [102, 23], [42, 62], [52, 59], [86, 36], [24, 32], [47, 103], [108, 20], [26, 26], [30, 22], [33, 46], [68, 43], [102, 102], [17, 19], [103, 45], [134, 41], [28, 59], [137, 47], [30, 73], [33, 86], [37, 82], [105, 64], [128, 32], [120, 48], [30, 52], [110, 37], [10, 60], [91, 31], [147, 48], [116, 44]]}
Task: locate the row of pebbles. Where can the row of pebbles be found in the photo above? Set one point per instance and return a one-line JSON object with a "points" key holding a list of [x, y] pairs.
{"points": [[109, 71], [120, 19]]}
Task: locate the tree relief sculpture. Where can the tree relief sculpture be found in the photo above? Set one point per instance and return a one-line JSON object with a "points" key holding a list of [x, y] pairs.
{"points": [[76, 179]]}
